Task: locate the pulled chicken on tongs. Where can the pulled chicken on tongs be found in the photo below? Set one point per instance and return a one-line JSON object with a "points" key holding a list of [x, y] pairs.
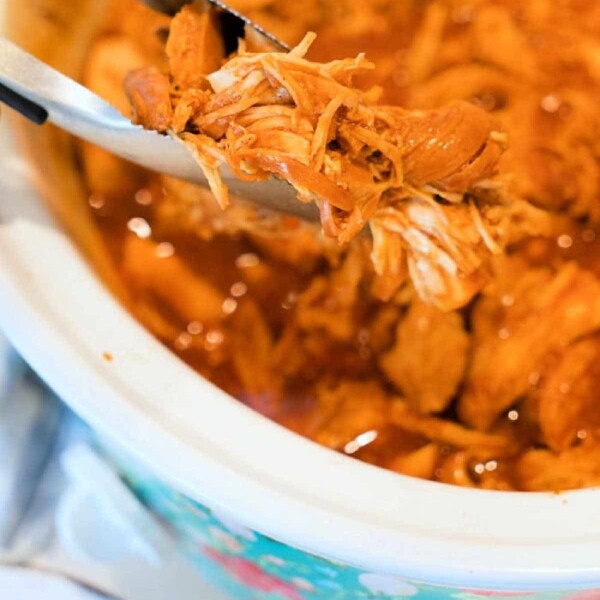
{"points": [[425, 181]]}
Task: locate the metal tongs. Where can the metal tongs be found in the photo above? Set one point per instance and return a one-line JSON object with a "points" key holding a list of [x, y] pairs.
{"points": [[42, 94]]}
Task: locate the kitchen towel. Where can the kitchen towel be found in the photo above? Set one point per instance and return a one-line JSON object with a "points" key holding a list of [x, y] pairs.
{"points": [[38, 434]]}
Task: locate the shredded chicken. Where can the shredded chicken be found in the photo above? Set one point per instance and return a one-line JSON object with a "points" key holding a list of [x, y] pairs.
{"points": [[422, 178], [354, 407], [355, 345], [419, 463], [546, 312], [428, 360], [568, 395], [546, 99], [172, 281], [542, 470], [444, 431]]}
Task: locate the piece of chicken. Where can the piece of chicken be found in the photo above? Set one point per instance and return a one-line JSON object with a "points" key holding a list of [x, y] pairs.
{"points": [[568, 396], [429, 357], [538, 313], [422, 178]]}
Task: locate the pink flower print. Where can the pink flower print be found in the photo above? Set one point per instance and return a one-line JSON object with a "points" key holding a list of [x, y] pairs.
{"points": [[303, 584], [274, 560], [228, 541], [387, 585], [253, 576], [484, 594], [585, 595]]}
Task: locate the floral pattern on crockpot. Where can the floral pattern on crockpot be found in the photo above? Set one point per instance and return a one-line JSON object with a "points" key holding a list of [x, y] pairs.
{"points": [[249, 566]]}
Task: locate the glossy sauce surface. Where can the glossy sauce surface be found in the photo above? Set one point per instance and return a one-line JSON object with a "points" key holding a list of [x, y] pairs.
{"points": [[286, 313]]}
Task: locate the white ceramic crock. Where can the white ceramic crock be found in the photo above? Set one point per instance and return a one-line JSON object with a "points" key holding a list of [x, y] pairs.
{"points": [[203, 444]]}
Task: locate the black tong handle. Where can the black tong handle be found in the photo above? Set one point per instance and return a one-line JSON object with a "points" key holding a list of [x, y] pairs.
{"points": [[34, 112]]}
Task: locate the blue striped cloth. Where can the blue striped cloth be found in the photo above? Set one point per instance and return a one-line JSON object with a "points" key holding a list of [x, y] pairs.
{"points": [[34, 429]]}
